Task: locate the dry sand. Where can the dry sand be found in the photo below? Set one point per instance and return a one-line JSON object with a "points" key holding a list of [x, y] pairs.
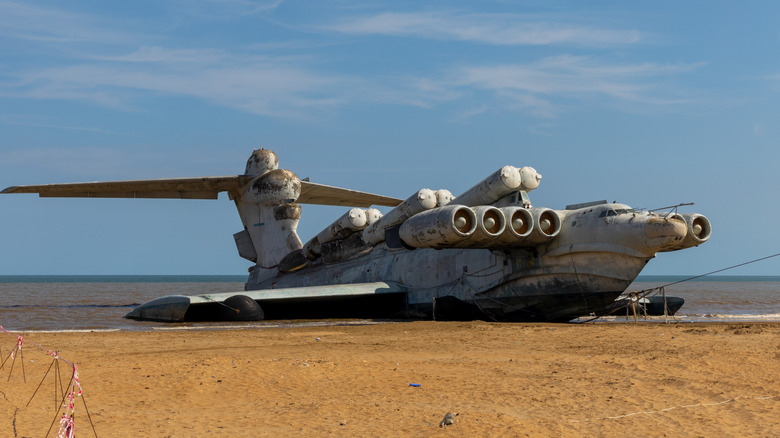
{"points": [[499, 380]]}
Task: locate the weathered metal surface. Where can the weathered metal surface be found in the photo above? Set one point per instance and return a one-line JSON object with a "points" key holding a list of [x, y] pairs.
{"points": [[350, 222], [207, 187], [244, 245], [546, 225], [440, 227], [261, 162], [443, 197], [321, 194], [424, 199], [372, 215], [499, 184], [345, 249], [698, 229], [517, 262], [171, 308], [530, 178], [490, 225], [297, 293], [519, 225], [173, 188]]}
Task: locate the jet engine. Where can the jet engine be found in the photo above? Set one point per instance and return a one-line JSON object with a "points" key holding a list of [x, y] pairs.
{"points": [[519, 225], [440, 227], [546, 225], [699, 229], [490, 225]]}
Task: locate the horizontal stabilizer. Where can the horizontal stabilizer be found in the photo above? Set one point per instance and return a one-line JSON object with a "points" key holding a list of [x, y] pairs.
{"points": [[207, 187], [320, 194]]}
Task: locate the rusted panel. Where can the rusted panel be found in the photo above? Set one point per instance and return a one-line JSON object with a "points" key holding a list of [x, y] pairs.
{"points": [[287, 211], [344, 249]]}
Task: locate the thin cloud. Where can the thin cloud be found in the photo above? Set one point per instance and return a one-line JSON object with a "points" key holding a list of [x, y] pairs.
{"points": [[228, 9], [535, 83], [23, 21], [250, 80], [497, 29], [268, 87], [280, 88]]}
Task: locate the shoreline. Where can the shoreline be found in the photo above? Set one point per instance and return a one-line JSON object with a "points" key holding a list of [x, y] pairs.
{"points": [[690, 379]]}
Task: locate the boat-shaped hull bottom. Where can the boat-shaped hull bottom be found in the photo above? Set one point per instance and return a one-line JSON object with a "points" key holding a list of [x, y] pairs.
{"points": [[528, 308]]}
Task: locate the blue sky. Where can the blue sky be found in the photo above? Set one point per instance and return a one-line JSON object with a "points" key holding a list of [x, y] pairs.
{"points": [[647, 103]]}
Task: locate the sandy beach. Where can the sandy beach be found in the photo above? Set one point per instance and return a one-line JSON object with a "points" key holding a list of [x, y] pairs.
{"points": [[644, 379]]}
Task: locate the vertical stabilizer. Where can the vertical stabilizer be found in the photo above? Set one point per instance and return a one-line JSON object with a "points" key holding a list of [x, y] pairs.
{"points": [[268, 209]]}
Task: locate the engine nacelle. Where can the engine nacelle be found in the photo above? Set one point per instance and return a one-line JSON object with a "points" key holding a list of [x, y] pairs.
{"points": [[699, 229], [423, 200], [441, 227], [546, 225], [519, 225], [490, 225]]}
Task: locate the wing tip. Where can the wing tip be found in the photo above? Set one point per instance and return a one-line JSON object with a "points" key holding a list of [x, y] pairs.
{"points": [[12, 189]]}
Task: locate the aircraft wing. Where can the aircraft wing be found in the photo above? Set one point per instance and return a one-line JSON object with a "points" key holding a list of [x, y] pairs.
{"points": [[305, 293], [313, 193], [174, 308], [207, 187]]}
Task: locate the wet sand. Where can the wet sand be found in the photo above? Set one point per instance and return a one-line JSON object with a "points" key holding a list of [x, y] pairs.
{"points": [[497, 380]]}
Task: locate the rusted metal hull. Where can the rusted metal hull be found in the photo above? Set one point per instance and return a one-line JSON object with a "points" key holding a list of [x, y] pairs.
{"points": [[515, 285]]}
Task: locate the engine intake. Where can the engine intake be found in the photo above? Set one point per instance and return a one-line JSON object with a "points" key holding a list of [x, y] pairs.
{"points": [[699, 229], [547, 225], [519, 225]]}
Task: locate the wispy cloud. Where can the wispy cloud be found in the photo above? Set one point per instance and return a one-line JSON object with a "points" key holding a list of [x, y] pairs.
{"points": [[120, 72], [499, 29], [532, 86], [282, 87], [228, 9], [264, 86], [25, 21]]}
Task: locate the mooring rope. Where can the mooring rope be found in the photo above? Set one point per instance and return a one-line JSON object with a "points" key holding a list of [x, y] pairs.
{"points": [[721, 270], [645, 292]]}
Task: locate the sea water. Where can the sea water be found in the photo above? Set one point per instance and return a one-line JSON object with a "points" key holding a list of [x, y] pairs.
{"points": [[718, 298], [62, 303]]}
